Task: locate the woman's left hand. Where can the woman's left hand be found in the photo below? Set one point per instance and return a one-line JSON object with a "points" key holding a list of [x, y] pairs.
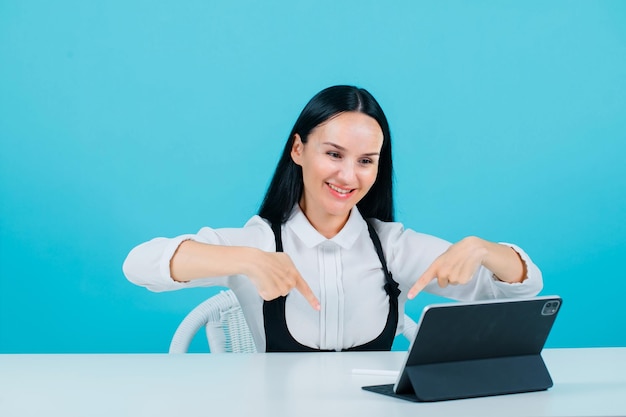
{"points": [[457, 265]]}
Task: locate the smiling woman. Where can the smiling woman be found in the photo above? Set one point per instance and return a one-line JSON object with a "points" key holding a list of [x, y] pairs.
{"points": [[335, 115], [326, 230]]}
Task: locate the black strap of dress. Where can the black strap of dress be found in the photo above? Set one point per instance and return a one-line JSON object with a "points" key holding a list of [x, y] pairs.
{"points": [[277, 335]]}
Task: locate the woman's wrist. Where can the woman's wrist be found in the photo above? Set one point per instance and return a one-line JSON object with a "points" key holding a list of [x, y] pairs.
{"points": [[505, 263]]}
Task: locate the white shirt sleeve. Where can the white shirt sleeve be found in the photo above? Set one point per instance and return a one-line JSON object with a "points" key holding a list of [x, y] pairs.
{"points": [[148, 264]]}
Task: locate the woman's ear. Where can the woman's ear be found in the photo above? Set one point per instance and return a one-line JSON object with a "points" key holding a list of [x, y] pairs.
{"points": [[296, 150]]}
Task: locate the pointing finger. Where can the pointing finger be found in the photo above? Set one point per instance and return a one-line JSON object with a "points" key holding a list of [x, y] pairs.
{"points": [[306, 291], [422, 282]]}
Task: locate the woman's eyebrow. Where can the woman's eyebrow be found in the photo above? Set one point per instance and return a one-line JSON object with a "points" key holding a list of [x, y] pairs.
{"points": [[341, 148]]}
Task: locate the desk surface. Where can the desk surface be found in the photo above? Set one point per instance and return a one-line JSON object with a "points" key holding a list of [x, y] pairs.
{"points": [[587, 382]]}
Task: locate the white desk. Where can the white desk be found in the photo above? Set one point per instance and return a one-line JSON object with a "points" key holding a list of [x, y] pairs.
{"points": [[588, 382]]}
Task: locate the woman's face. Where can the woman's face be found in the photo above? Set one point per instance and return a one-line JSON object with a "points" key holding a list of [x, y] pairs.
{"points": [[339, 166]]}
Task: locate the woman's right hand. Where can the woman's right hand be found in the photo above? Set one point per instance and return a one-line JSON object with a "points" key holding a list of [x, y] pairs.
{"points": [[275, 275]]}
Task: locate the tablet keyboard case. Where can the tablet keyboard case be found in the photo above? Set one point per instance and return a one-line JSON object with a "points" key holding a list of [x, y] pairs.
{"points": [[465, 351]]}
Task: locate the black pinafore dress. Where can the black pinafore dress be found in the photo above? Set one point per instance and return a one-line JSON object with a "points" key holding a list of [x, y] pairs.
{"points": [[277, 335]]}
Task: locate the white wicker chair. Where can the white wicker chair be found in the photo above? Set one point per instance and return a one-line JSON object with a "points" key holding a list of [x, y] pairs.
{"points": [[226, 327]]}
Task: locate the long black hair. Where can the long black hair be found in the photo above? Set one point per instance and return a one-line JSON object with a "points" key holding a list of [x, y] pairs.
{"points": [[287, 185]]}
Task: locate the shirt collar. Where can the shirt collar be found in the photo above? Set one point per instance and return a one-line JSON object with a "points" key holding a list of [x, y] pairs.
{"points": [[305, 231]]}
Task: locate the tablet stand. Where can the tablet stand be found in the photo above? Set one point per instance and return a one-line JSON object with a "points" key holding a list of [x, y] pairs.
{"points": [[479, 377]]}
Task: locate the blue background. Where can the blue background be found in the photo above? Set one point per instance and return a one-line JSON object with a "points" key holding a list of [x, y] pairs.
{"points": [[125, 120]]}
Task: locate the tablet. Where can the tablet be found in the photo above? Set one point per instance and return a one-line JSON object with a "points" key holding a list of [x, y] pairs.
{"points": [[477, 349]]}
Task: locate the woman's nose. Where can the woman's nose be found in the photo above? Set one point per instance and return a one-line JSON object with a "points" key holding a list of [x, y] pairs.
{"points": [[347, 172]]}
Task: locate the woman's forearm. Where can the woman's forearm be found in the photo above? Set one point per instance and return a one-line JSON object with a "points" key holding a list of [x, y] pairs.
{"points": [[193, 260]]}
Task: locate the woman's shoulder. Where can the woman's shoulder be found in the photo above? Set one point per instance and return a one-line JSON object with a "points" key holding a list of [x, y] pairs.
{"points": [[255, 232], [258, 221], [255, 222], [396, 232], [387, 228]]}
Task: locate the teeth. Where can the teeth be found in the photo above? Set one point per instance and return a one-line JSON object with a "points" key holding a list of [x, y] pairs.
{"points": [[339, 190]]}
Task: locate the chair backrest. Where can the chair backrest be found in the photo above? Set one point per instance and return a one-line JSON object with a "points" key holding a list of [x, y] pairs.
{"points": [[226, 327]]}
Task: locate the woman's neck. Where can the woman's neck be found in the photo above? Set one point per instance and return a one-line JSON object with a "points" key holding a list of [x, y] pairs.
{"points": [[328, 226]]}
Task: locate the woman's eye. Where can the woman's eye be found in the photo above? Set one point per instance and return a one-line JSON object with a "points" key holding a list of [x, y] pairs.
{"points": [[333, 154], [366, 161]]}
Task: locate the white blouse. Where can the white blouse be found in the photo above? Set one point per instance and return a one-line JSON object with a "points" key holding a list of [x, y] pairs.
{"points": [[344, 273]]}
